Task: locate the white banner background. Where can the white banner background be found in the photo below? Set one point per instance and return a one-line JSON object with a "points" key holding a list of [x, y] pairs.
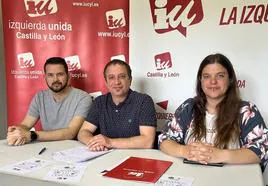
{"points": [[245, 44]]}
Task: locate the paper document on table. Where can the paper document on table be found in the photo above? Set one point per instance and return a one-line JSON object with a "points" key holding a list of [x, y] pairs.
{"points": [[26, 166], [77, 154], [66, 173], [168, 180]]}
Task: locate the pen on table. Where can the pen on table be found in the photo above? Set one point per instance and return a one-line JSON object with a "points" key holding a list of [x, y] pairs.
{"points": [[42, 150]]}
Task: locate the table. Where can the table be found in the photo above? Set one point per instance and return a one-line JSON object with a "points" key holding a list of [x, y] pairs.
{"points": [[231, 175]]}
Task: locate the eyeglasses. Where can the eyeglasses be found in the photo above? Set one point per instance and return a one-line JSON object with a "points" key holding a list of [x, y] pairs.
{"points": [[219, 77]]}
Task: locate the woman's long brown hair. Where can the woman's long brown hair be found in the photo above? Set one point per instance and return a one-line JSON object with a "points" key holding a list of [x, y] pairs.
{"points": [[227, 122]]}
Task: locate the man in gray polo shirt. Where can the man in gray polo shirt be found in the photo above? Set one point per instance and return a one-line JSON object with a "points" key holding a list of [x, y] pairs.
{"points": [[61, 109], [125, 118]]}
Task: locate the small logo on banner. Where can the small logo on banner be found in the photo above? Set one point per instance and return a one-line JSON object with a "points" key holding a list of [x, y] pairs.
{"points": [[115, 19], [74, 67], [164, 66], [169, 15], [26, 60], [163, 61], [40, 7], [73, 63], [27, 68]]}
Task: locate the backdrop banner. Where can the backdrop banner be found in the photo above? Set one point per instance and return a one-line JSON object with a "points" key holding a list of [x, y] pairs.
{"points": [[88, 34], [179, 34]]}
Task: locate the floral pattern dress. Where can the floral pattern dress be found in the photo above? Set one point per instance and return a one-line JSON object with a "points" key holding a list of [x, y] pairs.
{"points": [[253, 136]]}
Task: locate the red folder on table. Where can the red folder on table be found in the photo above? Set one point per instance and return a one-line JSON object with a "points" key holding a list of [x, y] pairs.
{"points": [[140, 169]]}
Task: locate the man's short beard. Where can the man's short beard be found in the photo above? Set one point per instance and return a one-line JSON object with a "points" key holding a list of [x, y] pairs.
{"points": [[59, 90]]}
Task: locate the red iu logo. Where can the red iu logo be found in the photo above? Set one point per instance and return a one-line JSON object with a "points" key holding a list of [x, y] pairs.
{"points": [[26, 60], [25, 63], [115, 19], [72, 66], [169, 15], [163, 61], [73, 63], [40, 7]]}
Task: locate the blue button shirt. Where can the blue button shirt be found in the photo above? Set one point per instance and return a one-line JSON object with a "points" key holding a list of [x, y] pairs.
{"points": [[122, 120]]}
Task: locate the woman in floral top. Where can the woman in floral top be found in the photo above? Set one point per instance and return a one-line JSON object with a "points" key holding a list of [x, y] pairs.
{"points": [[216, 126]]}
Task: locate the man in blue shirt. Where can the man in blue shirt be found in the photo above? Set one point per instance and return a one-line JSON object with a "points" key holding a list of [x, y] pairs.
{"points": [[125, 118]]}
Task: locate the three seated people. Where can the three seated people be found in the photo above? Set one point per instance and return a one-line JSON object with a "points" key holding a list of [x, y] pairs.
{"points": [[216, 126]]}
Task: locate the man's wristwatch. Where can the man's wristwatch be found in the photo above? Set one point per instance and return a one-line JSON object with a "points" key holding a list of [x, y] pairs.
{"points": [[33, 136]]}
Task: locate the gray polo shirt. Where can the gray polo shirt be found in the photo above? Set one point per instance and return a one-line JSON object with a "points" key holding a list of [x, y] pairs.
{"points": [[57, 115]]}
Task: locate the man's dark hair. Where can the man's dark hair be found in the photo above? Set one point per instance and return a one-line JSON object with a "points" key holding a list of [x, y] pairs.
{"points": [[56, 61], [118, 62]]}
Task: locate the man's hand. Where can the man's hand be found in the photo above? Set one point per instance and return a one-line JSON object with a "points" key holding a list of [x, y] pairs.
{"points": [[99, 143], [18, 136]]}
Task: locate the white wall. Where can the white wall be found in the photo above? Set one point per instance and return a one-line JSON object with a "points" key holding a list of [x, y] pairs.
{"points": [[3, 113]]}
